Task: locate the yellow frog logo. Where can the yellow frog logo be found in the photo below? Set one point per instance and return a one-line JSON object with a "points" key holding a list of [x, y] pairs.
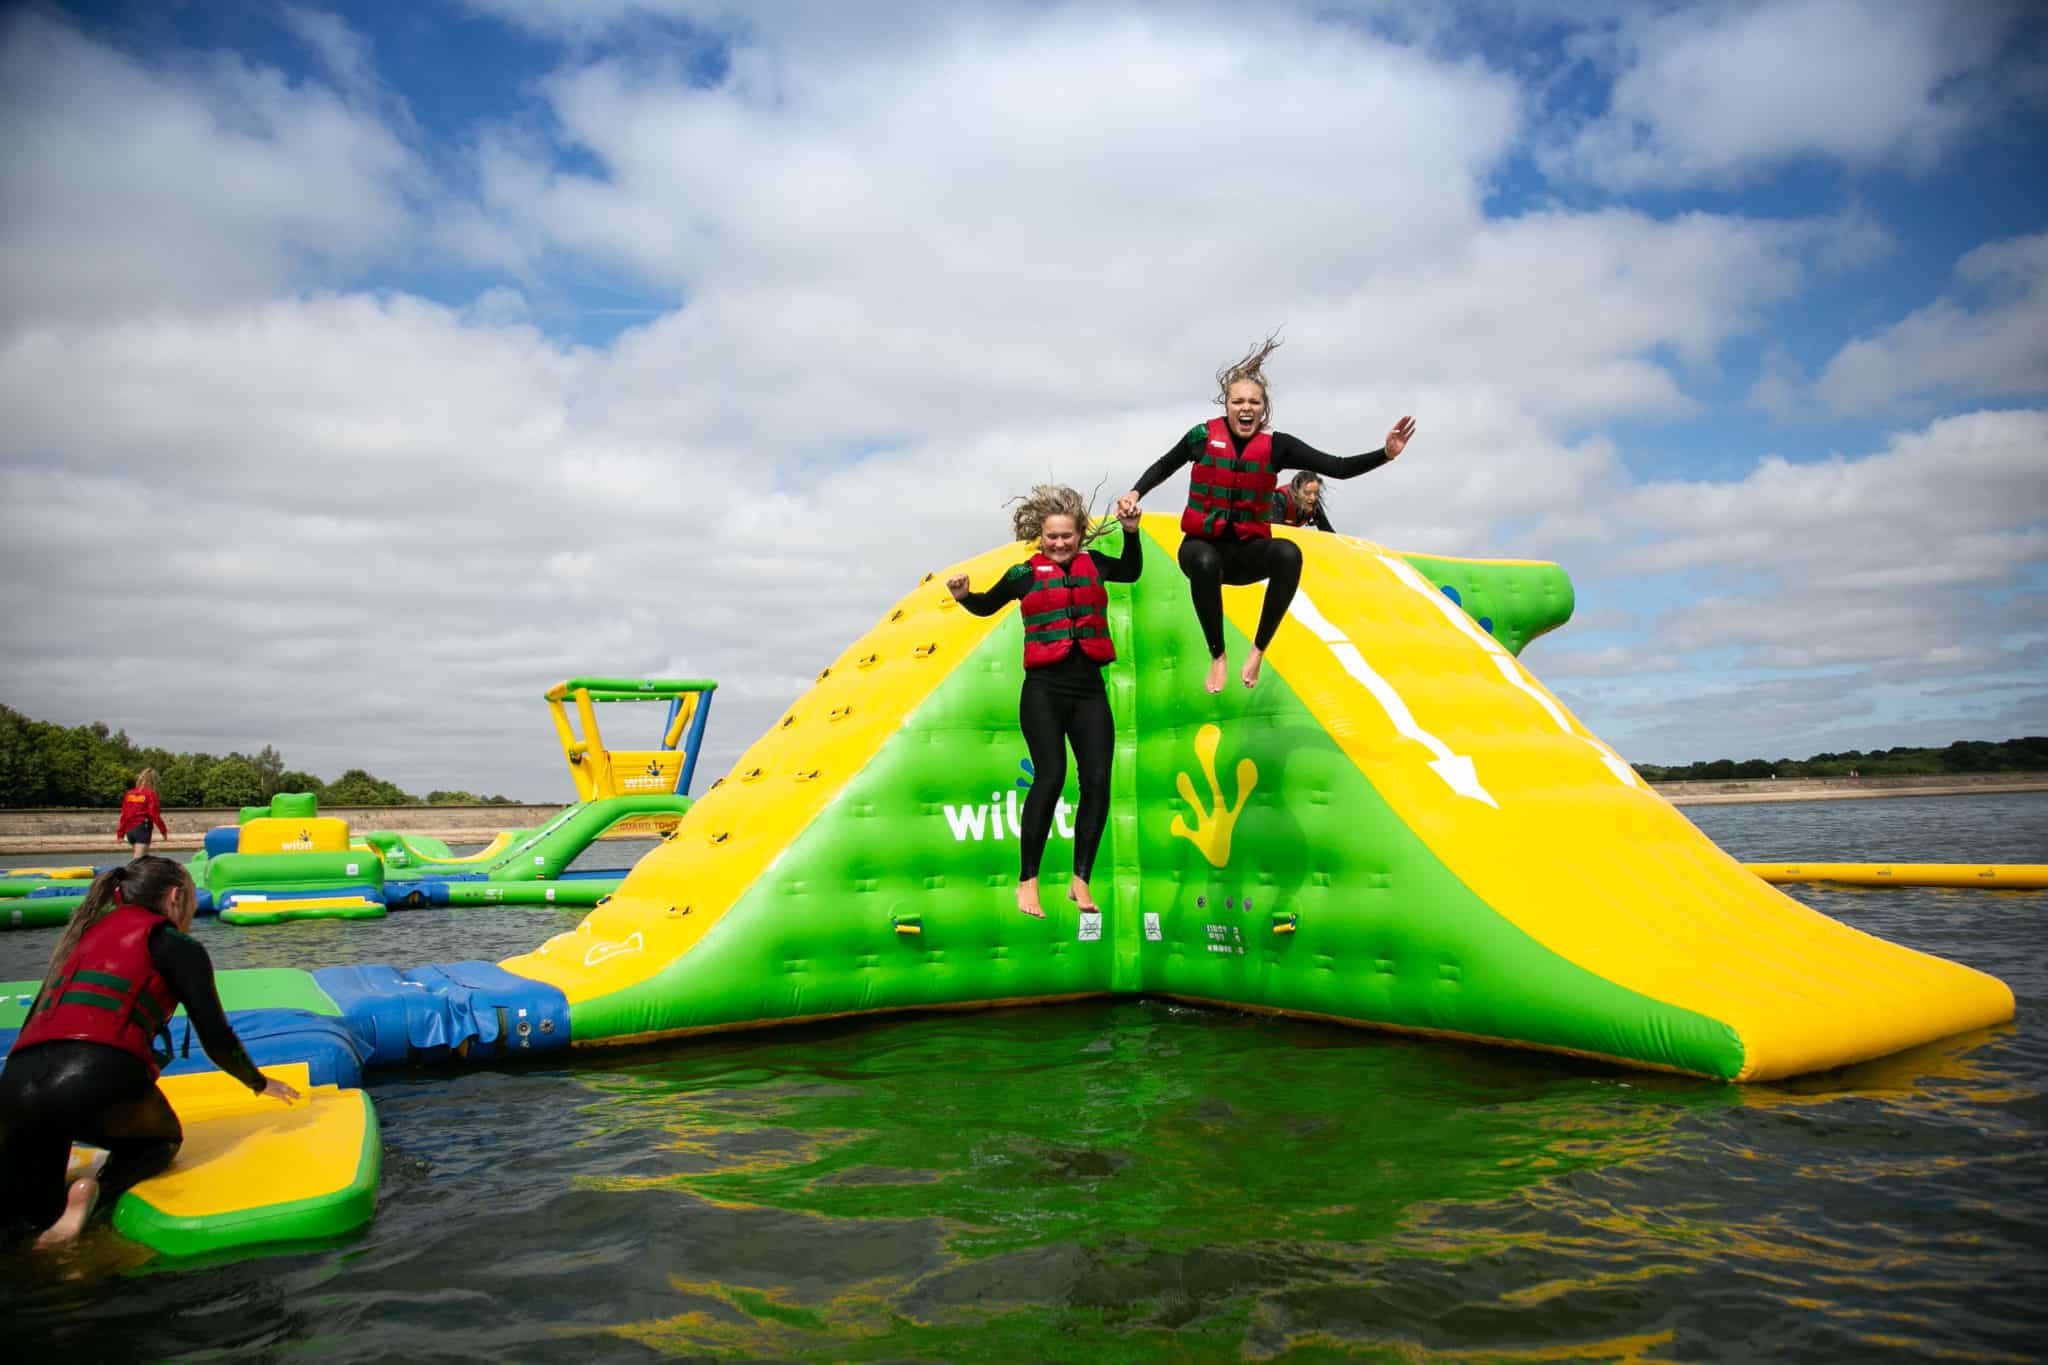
{"points": [[1213, 826]]}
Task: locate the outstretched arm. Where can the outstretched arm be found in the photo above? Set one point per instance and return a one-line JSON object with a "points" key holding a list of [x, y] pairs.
{"points": [[1290, 452], [189, 971]]}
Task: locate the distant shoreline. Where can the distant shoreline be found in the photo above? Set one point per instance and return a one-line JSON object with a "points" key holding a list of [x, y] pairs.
{"points": [[1732, 791], [89, 833]]}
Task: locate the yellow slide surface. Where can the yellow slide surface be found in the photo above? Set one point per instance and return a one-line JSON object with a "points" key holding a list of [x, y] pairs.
{"points": [[1549, 827]]}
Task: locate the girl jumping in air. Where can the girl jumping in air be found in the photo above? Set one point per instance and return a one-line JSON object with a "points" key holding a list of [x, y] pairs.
{"points": [[1066, 643], [84, 1066], [1227, 535]]}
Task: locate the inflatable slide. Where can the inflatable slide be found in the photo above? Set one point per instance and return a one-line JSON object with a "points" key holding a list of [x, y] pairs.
{"points": [[1399, 828]]}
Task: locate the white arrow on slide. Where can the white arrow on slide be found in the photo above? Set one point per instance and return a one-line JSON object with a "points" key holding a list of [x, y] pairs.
{"points": [[1457, 771], [1510, 667]]}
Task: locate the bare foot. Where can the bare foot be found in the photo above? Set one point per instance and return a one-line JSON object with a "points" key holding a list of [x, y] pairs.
{"points": [[1251, 668], [1027, 898], [1077, 892], [77, 1208], [1217, 668]]}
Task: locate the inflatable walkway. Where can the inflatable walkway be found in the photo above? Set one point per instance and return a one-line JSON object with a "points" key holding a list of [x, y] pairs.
{"points": [[1399, 828]]}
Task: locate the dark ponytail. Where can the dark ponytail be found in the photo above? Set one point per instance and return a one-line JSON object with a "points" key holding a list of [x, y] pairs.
{"points": [[146, 882]]}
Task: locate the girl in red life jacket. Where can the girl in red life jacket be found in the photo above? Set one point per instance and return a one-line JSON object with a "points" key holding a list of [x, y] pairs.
{"points": [[140, 811], [1300, 503], [1066, 643], [1227, 536], [84, 1066]]}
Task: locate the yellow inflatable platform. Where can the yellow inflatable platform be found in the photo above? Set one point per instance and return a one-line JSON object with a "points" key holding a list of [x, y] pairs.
{"points": [[255, 1170]]}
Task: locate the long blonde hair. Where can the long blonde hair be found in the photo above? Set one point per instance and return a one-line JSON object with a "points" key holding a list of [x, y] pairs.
{"points": [[1250, 367], [1054, 500], [146, 779], [145, 882]]}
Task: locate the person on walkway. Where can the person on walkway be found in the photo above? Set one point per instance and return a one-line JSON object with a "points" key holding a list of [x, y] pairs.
{"points": [[84, 1066], [1061, 594], [140, 812], [1227, 535]]}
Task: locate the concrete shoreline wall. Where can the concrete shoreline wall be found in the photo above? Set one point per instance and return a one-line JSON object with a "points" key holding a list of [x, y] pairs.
{"points": [[73, 831]]}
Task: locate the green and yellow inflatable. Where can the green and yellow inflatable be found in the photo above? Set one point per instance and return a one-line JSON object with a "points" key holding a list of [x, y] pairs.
{"points": [[1400, 827]]}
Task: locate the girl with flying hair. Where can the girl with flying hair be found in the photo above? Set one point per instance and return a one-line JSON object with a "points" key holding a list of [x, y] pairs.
{"points": [[1060, 589], [1227, 535], [84, 1066]]}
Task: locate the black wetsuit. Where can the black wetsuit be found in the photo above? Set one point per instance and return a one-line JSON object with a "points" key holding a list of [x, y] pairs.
{"points": [[1063, 702], [1209, 563], [55, 1093]]}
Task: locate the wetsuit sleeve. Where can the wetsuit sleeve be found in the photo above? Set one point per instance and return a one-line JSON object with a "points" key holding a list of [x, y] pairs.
{"points": [[1126, 567], [1008, 589], [185, 965], [1163, 468], [1321, 518], [1289, 453]]}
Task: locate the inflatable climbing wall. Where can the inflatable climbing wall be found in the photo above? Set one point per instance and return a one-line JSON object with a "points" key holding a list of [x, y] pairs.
{"points": [[1400, 827]]}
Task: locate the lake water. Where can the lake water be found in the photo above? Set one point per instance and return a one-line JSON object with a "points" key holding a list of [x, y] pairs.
{"points": [[1140, 1180]]}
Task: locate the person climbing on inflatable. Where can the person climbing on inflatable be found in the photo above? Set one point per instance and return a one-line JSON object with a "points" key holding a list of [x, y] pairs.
{"points": [[1300, 503], [1227, 532], [84, 1066], [1061, 594]]}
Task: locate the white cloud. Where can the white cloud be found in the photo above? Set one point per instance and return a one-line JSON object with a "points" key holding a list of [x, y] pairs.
{"points": [[126, 186], [1987, 338], [1834, 579], [1713, 94]]}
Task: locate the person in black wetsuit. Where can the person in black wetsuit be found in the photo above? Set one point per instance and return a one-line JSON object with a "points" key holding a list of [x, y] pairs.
{"points": [[84, 1066], [1227, 535], [1300, 503], [1066, 644]]}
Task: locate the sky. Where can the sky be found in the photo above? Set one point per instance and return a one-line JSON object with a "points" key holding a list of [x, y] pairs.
{"points": [[368, 368]]}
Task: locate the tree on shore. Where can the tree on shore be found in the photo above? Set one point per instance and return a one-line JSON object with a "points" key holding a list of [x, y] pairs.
{"points": [[2025, 755], [90, 765]]}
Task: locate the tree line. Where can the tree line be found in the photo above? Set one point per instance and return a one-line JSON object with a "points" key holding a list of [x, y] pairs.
{"points": [[2029, 754], [89, 765]]}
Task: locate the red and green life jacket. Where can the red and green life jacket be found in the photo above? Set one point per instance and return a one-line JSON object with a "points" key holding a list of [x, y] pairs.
{"points": [[1230, 491], [1063, 608], [109, 992]]}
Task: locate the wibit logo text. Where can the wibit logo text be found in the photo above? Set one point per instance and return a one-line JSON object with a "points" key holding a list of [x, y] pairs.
{"points": [[1002, 812]]}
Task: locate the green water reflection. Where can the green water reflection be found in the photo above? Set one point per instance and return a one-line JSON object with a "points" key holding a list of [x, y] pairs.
{"points": [[1108, 1181]]}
